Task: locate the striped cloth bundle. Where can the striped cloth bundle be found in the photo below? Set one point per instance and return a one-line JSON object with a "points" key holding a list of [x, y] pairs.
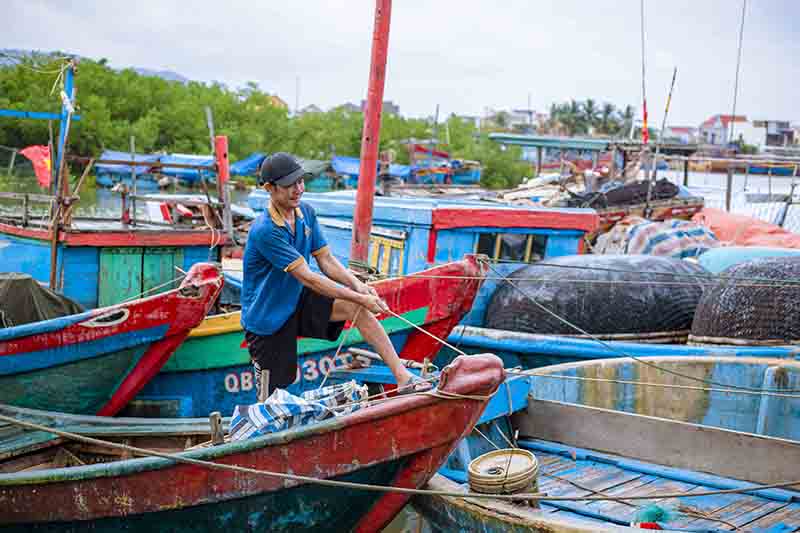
{"points": [[671, 238], [283, 410]]}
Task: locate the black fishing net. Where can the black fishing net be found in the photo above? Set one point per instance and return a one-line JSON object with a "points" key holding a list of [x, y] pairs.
{"points": [[749, 309], [599, 301], [23, 301], [630, 194]]}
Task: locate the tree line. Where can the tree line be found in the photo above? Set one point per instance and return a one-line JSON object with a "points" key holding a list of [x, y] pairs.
{"points": [[169, 116]]}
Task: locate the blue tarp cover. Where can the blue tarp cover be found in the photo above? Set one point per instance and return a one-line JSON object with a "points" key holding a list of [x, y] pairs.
{"points": [[111, 155], [350, 166], [186, 174], [248, 166]]}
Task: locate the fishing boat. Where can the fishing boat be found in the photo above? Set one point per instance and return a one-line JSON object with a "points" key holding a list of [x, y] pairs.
{"points": [[95, 362], [53, 484], [212, 369], [666, 429], [772, 169]]}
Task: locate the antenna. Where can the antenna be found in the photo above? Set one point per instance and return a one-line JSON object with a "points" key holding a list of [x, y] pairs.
{"points": [[738, 63]]}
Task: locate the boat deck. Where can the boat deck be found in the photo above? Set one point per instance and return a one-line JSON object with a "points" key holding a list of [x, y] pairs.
{"points": [[568, 471]]}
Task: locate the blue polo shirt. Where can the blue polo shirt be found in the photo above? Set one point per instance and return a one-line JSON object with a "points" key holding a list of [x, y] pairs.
{"points": [[270, 292]]}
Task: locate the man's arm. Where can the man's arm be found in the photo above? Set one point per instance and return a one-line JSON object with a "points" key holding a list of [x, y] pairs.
{"points": [[326, 287], [334, 269]]}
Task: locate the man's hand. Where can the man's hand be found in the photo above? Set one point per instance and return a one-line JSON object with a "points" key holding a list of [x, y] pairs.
{"points": [[363, 288], [374, 304]]}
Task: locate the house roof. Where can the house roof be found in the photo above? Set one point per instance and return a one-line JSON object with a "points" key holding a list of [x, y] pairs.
{"points": [[681, 129], [725, 119]]}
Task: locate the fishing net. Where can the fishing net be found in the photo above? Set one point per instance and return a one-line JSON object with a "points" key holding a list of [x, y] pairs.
{"points": [[630, 194], [23, 301], [640, 297], [751, 311]]}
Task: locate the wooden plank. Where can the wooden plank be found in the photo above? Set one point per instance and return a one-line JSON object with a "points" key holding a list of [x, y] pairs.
{"points": [[785, 519], [733, 509], [158, 268], [738, 455], [120, 275]]}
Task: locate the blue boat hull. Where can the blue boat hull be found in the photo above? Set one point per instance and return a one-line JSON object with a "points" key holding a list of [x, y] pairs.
{"points": [[533, 351], [196, 393]]}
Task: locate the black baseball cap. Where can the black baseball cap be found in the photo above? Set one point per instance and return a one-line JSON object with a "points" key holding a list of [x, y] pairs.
{"points": [[281, 169]]}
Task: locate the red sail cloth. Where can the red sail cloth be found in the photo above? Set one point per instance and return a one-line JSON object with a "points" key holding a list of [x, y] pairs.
{"points": [[42, 165]]}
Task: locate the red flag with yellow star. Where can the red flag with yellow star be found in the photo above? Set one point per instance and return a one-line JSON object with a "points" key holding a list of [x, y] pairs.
{"points": [[40, 157]]}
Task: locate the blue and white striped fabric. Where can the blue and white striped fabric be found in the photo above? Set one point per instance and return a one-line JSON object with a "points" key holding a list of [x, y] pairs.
{"points": [[283, 410], [670, 238]]}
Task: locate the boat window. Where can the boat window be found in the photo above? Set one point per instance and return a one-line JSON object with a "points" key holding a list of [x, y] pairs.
{"points": [[516, 247], [386, 255]]}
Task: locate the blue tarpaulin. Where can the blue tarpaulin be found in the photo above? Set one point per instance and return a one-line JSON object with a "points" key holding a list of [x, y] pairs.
{"points": [[111, 155], [350, 166], [346, 165], [186, 174], [248, 166]]}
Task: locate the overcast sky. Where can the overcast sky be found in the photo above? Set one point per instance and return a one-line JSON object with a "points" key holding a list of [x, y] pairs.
{"points": [[465, 55]]}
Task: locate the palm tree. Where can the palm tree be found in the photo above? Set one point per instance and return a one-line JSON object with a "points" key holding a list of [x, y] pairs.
{"points": [[575, 118], [607, 124], [590, 113]]}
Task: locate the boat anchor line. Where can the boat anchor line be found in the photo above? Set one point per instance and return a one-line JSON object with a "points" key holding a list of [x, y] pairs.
{"points": [[609, 282], [713, 278], [538, 496]]}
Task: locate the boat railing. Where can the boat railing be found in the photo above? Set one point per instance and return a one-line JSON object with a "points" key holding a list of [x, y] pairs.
{"points": [[27, 199]]}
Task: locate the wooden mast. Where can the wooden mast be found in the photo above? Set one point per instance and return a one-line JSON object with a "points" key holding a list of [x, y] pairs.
{"points": [[362, 220]]}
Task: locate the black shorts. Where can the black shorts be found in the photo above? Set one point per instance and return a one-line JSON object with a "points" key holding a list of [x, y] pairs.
{"points": [[278, 352]]}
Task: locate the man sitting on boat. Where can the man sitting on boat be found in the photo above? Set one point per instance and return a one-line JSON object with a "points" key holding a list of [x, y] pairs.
{"points": [[282, 298]]}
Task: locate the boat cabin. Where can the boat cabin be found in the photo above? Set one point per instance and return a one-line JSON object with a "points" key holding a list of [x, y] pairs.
{"points": [[104, 262], [412, 234]]}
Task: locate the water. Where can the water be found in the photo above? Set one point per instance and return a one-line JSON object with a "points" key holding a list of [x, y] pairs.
{"points": [[94, 201], [97, 201]]}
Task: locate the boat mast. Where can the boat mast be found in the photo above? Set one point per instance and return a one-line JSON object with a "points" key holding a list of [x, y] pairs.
{"points": [[370, 137]]}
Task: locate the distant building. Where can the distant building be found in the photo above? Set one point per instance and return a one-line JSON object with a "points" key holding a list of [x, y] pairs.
{"points": [[522, 119], [777, 132], [388, 107], [683, 134], [716, 130], [349, 108], [277, 101], [766, 133], [311, 108]]}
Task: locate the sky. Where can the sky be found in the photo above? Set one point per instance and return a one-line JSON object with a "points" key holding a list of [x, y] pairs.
{"points": [[464, 55]]}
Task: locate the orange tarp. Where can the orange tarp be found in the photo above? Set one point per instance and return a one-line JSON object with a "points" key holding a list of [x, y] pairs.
{"points": [[744, 230]]}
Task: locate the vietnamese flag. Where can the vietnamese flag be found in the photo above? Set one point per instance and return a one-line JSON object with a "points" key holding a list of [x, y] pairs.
{"points": [[40, 157]]}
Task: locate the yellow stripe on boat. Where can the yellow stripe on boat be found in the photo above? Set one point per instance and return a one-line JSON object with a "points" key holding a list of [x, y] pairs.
{"points": [[218, 325]]}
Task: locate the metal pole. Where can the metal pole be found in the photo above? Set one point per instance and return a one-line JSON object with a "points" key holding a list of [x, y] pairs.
{"points": [[539, 160], [738, 63], [362, 219], [210, 124], [51, 150], [433, 139], [66, 110], [11, 163], [686, 172], [223, 175], [133, 181], [728, 187]]}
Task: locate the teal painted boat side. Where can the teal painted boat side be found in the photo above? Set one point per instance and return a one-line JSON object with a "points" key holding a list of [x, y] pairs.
{"points": [[83, 386]]}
